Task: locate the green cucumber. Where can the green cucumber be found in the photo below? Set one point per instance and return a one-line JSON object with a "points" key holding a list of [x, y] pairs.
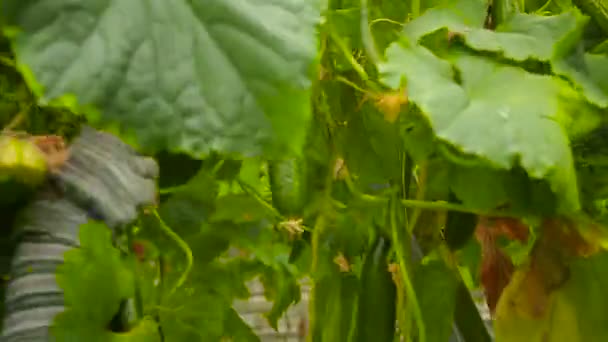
{"points": [[335, 300], [376, 312], [596, 9], [459, 229], [287, 184]]}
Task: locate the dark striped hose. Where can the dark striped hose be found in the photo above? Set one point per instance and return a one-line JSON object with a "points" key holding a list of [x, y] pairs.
{"points": [[103, 179]]}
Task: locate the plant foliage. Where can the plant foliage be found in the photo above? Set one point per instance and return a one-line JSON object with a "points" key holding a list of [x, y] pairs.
{"points": [[397, 154]]}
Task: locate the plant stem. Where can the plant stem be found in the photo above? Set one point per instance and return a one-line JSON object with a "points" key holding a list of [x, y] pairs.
{"points": [[252, 192], [351, 84], [412, 300], [366, 35], [415, 9], [7, 62], [183, 246], [385, 20], [348, 55], [16, 121], [319, 227], [542, 9], [430, 205], [422, 179], [172, 189]]}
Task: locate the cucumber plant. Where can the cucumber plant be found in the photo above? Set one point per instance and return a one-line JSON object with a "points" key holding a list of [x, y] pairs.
{"points": [[397, 154]]}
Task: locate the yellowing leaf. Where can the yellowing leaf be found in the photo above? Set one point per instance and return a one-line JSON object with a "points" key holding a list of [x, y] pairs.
{"points": [[514, 321], [559, 323]]}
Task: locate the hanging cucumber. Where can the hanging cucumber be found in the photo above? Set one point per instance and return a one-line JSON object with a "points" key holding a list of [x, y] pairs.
{"points": [[335, 299], [287, 183], [376, 313], [459, 227]]}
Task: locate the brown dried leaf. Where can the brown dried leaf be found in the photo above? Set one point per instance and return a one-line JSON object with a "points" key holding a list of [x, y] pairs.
{"points": [[512, 228], [496, 266], [496, 272], [565, 235]]}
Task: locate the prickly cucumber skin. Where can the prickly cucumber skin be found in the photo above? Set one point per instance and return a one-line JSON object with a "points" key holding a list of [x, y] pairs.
{"points": [[287, 186], [377, 299]]}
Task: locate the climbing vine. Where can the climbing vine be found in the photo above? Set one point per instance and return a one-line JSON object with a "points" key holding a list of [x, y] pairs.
{"points": [[397, 154]]}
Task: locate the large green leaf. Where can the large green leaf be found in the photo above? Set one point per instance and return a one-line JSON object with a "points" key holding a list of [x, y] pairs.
{"points": [[239, 330], [553, 39], [512, 189], [529, 36], [282, 288], [598, 66], [500, 113], [93, 277], [95, 280], [456, 15], [189, 76], [201, 309]]}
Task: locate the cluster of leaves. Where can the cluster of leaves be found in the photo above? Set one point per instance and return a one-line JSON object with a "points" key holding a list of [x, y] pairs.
{"points": [[294, 135]]}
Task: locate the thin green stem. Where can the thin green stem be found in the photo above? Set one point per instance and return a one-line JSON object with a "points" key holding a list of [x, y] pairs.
{"points": [[385, 20], [421, 190], [351, 84], [543, 7], [252, 192], [348, 55], [439, 205], [7, 62], [407, 166], [338, 204], [320, 224], [217, 167], [17, 120], [315, 245], [172, 189], [430, 205], [183, 246], [138, 300], [412, 300], [366, 35], [415, 9]]}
